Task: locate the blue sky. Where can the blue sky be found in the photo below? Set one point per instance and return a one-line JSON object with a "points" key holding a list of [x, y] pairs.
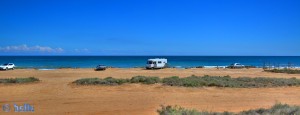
{"points": [[150, 27]]}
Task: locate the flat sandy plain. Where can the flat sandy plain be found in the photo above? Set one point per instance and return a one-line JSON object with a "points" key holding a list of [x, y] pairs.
{"points": [[55, 94]]}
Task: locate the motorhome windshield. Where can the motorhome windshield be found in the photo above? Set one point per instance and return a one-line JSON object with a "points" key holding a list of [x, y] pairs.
{"points": [[150, 62]]}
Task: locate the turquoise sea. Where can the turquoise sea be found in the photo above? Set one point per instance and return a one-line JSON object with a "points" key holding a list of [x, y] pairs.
{"points": [[140, 61]]}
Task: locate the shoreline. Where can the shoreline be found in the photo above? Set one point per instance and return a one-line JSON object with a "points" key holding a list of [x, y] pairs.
{"points": [[203, 67], [166, 72]]}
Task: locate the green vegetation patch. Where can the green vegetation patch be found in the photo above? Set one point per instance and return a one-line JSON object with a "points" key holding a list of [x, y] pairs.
{"points": [[19, 80], [277, 109], [117, 81], [196, 81], [98, 81], [227, 81], [289, 71], [145, 80]]}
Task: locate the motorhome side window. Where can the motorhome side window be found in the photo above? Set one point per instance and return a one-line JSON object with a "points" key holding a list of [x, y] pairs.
{"points": [[159, 61]]}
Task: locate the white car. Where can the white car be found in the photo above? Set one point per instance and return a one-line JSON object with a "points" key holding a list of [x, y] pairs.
{"points": [[7, 66], [236, 65]]}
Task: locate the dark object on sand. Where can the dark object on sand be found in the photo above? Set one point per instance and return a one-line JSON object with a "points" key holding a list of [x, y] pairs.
{"points": [[100, 68], [236, 65]]}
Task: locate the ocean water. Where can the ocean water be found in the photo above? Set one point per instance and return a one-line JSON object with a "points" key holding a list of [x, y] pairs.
{"points": [[140, 61]]}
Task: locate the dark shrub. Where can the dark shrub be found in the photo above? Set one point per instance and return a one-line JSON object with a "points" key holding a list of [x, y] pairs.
{"points": [[19, 80], [114, 81], [193, 81], [98, 81], [26, 80], [177, 110], [87, 81], [268, 82], [286, 70], [277, 109], [138, 79], [145, 80], [227, 81], [172, 81]]}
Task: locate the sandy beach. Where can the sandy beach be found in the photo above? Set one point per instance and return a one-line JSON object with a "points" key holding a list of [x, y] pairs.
{"points": [[55, 94]]}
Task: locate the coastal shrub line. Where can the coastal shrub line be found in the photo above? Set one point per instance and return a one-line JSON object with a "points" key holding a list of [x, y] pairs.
{"points": [[115, 81], [19, 80], [196, 81], [227, 81], [99, 81], [289, 71], [277, 109], [145, 80]]}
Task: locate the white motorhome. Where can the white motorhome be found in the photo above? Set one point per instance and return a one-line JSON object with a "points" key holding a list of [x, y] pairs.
{"points": [[156, 63]]}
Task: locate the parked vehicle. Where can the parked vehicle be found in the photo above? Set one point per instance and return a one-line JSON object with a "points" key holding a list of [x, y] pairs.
{"points": [[156, 63], [7, 66], [236, 65], [100, 68]]}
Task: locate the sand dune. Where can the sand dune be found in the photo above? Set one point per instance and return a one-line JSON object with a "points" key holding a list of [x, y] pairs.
{"points": [[56, 95]]}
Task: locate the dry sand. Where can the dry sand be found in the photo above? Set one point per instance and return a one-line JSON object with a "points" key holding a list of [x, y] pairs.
{"points": [[56, 95]]}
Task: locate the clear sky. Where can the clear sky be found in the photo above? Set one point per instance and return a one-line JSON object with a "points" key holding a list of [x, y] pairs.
{"points": [[150, 27]]}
